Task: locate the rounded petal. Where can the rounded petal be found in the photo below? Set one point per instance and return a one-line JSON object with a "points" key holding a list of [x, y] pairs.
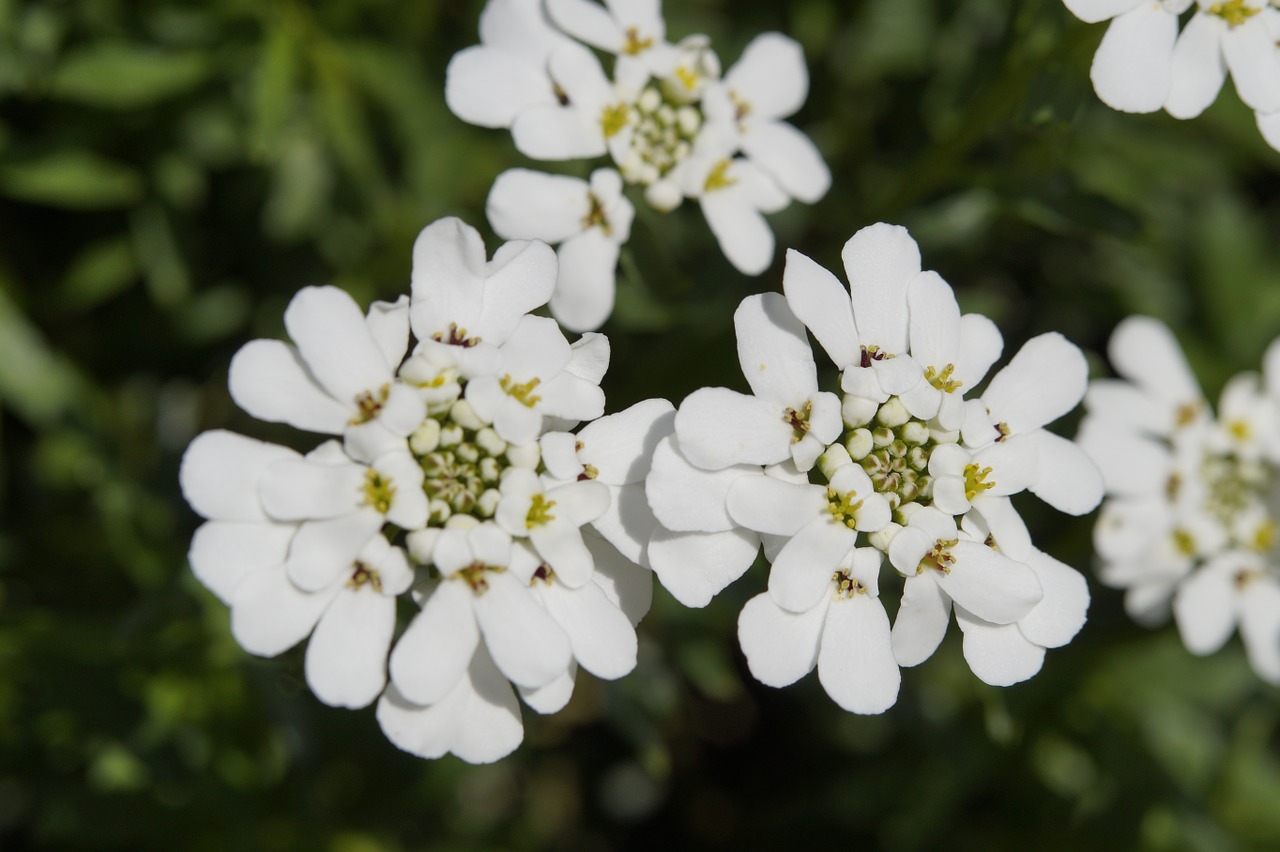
{"points": [[602, 638], [780, 646], [719, 428], [1093, 11], [620, 446], [695, 567], [880, 261], [801, 573], [1199, 68], [388, 324], [268, 379], [1062, 612], [980, 347], [1251, 54], [528, 647], [1145, 351], [346, 661], [1204, 608], [771, 76], [436, 649], [998, 653], [1045, 380], [685, 498], [490, 87], [922, 620], [322, 550], [822, 303], [553, 697], [1066, 478], [528, 205], [297, 490], [1134, 63], [220, 473], [225, 552], [1269, 127], [989, 584], [790, 158], [269, 614], [329, 330], [934, 321], [773, 351], [447, 279], [770, 505], [1260, 628], [584, 294], [855, 661], [743, 233]]}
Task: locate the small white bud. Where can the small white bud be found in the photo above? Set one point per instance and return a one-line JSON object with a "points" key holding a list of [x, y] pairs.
{"points": [[914, 432], [461, 522], [880, 540], [943, 436], [420, 544], [663, 195], [524, 455], [857, 411], [426, 437], [438, 511], [488, 440], [893, 413], [859, 444], [835, 458], [465, 416], [488, 502]]}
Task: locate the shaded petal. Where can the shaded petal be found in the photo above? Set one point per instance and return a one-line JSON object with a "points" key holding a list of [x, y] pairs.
{"points": [[685, 498], [1093, 11], [719, 428], [771, 75], [1134, 64], [294, 489], [822, 303], [388, 324], [880, 261], [998, 653], [770, 505], [220, 473], [1251, 54], [1199, 68], [773, 351], [1145, 351], [269, 615], [528, 205], [1045, 380], [322, 550], [520, 278], [447, 278], [225, 552], [602, 638], [1260, 628], [989, 584], [1062, 612], [1066, 478], [790, 158], [335, 343], [489, 87], [620, 446], [980, 347], [855, 661], [934, 321], [553, 697], [801, 573], [584, 294], [695, 567], [527, 645], [922, 620], [346, 663], [780, 646], [1204, 608], [743, 233], [438, 645], [268, 379]]}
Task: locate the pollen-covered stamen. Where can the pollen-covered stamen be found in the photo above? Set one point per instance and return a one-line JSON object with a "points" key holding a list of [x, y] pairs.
{"points": [[719, 178], [939, 558], [844, 507], [1002, 431], [364, 574], [1172, 486], [456, 337], [873, 353], [635, 45], [1246, 576], [1184, 542], [990, 541], [544, 573], [942, 380], [847, 586], [1264, 537], [1186, 414], [1239, 430], [561, 95], [596, 218], [474, 576], [522, 392], [741, 108], [539, 511], [614, 118], [589, 471], [975, 481], [369, 405], [1234, 12], [378, 491], [798, 421]]}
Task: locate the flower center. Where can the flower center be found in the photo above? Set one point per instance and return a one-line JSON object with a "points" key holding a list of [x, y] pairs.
{"points": [[474, 576], [847, 586], [799, 421], [975, 481], [369, 405], [378, 491], [522, 393], [844, 507], [894, 449], [1234, 12], [539, 511], [363, 575], [942, 380], [664, 129], [939, 558], [456, 337], [596, 217]]}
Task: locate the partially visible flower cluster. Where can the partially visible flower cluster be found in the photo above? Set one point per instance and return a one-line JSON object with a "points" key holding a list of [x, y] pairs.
{"points": [[896, 463], [668, 120], [1193, 499], [453, 477], [1145, 64]]}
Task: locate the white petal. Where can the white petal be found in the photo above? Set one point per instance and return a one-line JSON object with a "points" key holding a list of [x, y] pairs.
{"points": [[1260, 628], [628, 523], [527, 645], [1045, 380], [602, 638], [980, 347], [553, 697], [220, 473], [528, 205], [935, 321], [819, 299], [519, 279], [225, 552], [560, 545], [1269, 127], [1199, 68], [1251, 55], [438, 645], [1066, 478], [1131, 466], [998, 653], [780, 646], [802, 572], [490, 87], [334, 342], [346, 661], [1134, 64], [771, 75], [743, 233], [989, 584], [628, 586], [269, 615], [897, 375], [922, 620], [388, 324], [687, 498], [558, 133], [1006, 526], [1128, 406], [695, 567], [1093, 11], [790, 158], [855, 660], [719, 427], [621, 445], [447, 279], [1204, 608], [773, 351], [1062, 612], [769, 505], [268, 380], [1145, 351], [880, 261], [584, 293], [587, 21], [297, 490], [589, 357]]}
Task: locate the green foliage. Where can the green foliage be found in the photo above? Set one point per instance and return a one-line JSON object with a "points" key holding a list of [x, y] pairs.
{"points": [[170, 174]]}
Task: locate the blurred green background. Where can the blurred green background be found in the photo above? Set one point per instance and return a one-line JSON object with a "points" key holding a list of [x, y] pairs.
{"points": [[172, 172]]}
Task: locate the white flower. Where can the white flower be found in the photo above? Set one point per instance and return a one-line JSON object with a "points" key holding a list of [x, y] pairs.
{"points": [[778, 468], [733, 194], [845, 634], [551, 519], [632, 29], [339, 378], [589, 221], [1235, 35], [1189, 524]]}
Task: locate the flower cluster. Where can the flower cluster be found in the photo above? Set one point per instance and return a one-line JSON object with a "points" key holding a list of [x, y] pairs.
{"points": [[1193, 500], [896, 463], [669, 121], [451, 476], [1145, 63]]}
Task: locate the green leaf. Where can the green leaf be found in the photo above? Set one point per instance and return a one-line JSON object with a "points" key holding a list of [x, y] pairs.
{"points": [[124, 76], [35, 382], [99, 272], [76, 179]]}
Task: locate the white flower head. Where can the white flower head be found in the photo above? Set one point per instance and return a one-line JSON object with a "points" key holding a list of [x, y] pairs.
{"points": [[1189, 525], [816, 476]]}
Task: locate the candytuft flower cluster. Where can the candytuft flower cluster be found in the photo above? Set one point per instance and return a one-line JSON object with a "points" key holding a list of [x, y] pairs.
{"points": [[670, 123], [1145, 63], [1190, 520], [894, 462], [451, 475]]}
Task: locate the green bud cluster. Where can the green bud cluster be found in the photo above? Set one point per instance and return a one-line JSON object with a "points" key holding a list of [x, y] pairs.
{"points": [[462, 461], [893, 448]]}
